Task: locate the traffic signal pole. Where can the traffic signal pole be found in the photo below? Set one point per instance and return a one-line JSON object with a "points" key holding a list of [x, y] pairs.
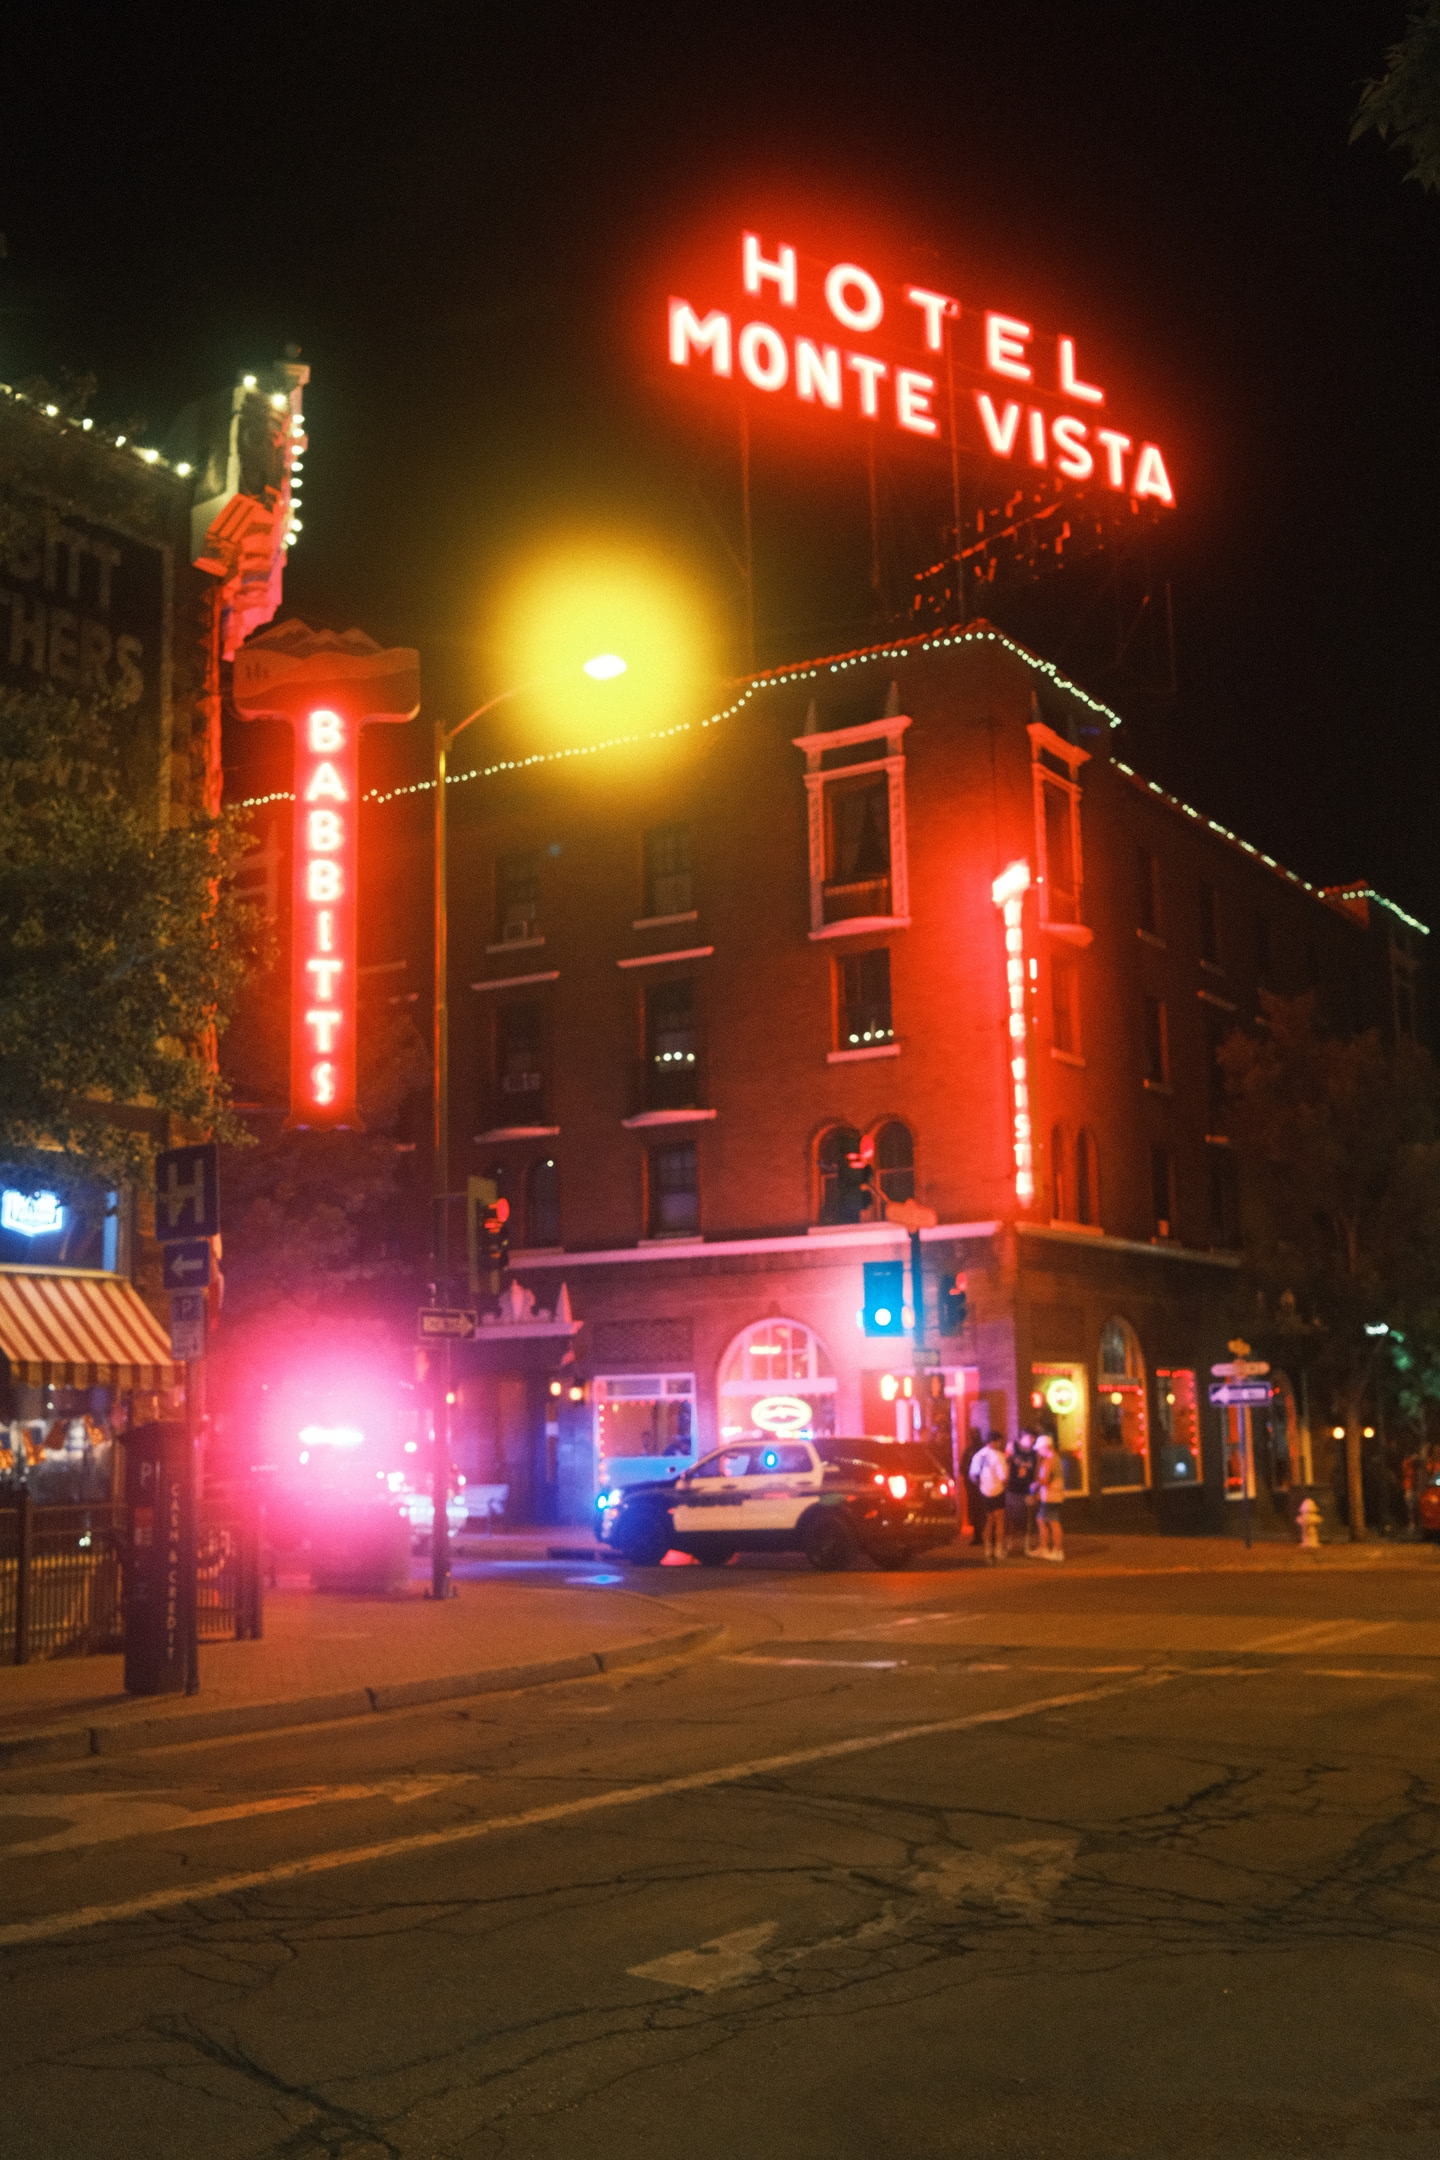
{"points": [[440, 1584], [917, 1289]]}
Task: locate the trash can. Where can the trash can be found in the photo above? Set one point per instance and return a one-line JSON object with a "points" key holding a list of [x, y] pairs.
{"points": [[160, 1561]]}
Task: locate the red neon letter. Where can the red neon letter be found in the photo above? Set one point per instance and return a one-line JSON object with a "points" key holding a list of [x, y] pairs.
{"points": [[755, 268], [326, 783], [912, 402], [1151, 477], [817, 373], [936, 307], [1000, 434], [870, 373], [1036, 422], [1005, 347], [688, 333], [1072, 459], [1115, 448], [325, 835], [1086, 392], [768, 370], [326, 731], [838, 282], [323, 880]]}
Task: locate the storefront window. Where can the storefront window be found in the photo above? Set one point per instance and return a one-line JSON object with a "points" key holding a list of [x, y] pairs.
{"points": [[1122, 1455], [644, 1425], [1059, 1400], [1177, 1427], [777, 1377]]}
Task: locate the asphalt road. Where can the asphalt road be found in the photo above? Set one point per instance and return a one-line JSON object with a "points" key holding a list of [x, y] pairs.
{"points": [[906, 1865]]}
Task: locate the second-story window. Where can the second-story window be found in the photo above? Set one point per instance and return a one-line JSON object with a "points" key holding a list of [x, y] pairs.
{"points": [[517, 898], [520, 1062], [832, 1159], [857, 847], [1147, 893], [1210, 925], [1065, 1005], [672, 1047], [862, 984], [1157, 1042], [669, 884], [895, 1161], [673, 1190]]}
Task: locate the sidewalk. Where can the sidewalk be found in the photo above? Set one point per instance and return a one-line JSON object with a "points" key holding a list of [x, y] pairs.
{"points": [[336, 1657]]}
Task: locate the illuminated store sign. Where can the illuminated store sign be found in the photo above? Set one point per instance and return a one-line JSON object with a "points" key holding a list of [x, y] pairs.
{"points": [[926, 365], [1008, 893], [31, 1214], [327, 687]]}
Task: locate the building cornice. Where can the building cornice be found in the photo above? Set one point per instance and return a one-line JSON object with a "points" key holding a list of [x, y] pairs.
{"points": [[1091, 1241], [813, 1241]]}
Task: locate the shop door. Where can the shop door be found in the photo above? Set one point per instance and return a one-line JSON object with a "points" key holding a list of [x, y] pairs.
{"points": [[513, 1419]]}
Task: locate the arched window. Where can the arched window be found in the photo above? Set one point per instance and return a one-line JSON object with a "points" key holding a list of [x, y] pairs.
{"points": [[1123, 1450], [840, 1142], [776, 1377], [1059, 1186], [542, 1203], [895, 1161], [1087, 1178]]}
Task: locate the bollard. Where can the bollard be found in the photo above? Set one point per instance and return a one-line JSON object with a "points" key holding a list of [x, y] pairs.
{"points": [[1307, 1525]]}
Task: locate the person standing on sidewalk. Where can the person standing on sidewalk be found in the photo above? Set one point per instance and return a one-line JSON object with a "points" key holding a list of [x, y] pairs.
{"points": [[1019, 1484], [1050, 1487], [991, 1472], [974, 1504]]}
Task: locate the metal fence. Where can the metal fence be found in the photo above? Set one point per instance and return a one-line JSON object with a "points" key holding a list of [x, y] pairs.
{"points": [[62, 1577]]}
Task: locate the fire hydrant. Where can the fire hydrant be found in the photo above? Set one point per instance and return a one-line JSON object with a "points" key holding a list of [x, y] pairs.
{"points": [[1307, 1525]]}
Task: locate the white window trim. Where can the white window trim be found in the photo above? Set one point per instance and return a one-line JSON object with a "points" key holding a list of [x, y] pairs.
{"points": [[889, 731]]}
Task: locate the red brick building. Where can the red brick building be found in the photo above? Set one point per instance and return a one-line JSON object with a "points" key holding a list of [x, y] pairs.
{"points": [[693, 975]]}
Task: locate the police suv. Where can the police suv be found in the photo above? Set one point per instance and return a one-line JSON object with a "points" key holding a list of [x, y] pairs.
{"points": [[831, 1499]]}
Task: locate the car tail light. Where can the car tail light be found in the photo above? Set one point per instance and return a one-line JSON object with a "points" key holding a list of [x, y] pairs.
{"points": [[899, 1485], [879, 1477], [943, 1488]]}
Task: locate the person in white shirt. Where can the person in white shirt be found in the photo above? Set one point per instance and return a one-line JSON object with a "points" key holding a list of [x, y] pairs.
{"points": [[991, 1473], [1050, 1484]]}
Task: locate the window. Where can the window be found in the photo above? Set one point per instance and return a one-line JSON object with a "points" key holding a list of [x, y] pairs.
{"points": [[1157, 1042], [517, 899], [520, 1063], [1147, 889], [1210, 947], [1162, 1193], [644, 1423], [862, 983], [1065, 1005], [895, 1162], [1061, 816], [1123, 1454], [1264, 952], [776, 1358], [674, 1190], [669, 886], [1404, 983], [1224, 1198], [1087, 1179], [857, 847], [672, 1072], [1059, 1185], [542, 1203], [1216, 1031], [1058, 1395], [1177, 1428], [831, 1157]]}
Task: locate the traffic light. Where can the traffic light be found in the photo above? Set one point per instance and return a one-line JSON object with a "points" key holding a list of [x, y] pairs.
{"points": [[855, 1183], [495, 1239], [487, 1233], [884, 1297], [954, 1304]]}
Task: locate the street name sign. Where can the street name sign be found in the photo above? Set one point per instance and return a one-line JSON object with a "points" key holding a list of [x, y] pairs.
{"points": [[1235, 1394], [187, 1324], [187, 1194], [187, 1266], [1240, 1369], [441, 1324]]}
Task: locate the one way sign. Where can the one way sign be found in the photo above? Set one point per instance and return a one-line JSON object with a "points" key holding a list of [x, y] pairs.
{"points": [[187, 1196], [187, 1266]]}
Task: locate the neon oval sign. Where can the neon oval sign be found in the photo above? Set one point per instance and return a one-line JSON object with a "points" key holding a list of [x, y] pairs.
{"points": [[784, 1415]]}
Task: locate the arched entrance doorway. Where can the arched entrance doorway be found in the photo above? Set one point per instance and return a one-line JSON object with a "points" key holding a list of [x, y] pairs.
{"points": [[776, 1377], [1122, 1452]]}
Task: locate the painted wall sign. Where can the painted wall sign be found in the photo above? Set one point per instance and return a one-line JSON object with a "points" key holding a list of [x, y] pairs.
{"points": [[327, 687], [839, 341]]}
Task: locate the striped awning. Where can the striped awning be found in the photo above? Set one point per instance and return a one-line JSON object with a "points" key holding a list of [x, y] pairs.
{"points": [[74, 1327]]}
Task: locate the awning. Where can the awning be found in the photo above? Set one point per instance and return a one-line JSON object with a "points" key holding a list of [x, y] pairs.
{"points": [[75, 1327]]}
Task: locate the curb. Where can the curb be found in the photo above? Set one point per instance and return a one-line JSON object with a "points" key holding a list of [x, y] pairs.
{"points": [[73, 1743]]}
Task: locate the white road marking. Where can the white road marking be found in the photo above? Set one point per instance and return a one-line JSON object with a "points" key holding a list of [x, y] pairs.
{"points": [[1320, 1635], [843, 1664], [1342, 1672], [53, 1925], [722, 1963], [103, 1818]]}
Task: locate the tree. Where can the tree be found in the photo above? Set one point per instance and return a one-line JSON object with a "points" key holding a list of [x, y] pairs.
{"points": [[1340, 1163], [1403, 107], [122, 949]]}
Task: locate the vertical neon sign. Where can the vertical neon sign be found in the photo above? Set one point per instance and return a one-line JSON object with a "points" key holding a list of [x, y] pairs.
{"points": [[1008, 893], [328, 688]]}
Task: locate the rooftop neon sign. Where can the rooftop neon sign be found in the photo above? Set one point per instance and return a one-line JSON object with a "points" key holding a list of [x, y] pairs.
{"points": [[1020, 396]]}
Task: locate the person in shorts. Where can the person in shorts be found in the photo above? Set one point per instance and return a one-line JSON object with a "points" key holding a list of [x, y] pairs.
{"points": [[1019, 1482], [1050, 1487], [991, 1472]]}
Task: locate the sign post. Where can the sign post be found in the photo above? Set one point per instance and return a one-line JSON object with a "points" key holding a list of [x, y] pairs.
{"points": [[187, 1217], [1241, 1382]]}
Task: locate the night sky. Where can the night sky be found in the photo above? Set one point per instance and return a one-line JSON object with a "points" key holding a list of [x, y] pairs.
{"points": [[463, 220]]}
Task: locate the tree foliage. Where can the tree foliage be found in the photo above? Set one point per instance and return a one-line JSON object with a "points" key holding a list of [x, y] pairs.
{"points": [[122, 949], [1403, 106], [1340, 1161]]}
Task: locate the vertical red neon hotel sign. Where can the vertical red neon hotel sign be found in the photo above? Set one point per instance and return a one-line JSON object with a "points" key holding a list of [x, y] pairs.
{"points": [[327, 687], [1019, 396]]}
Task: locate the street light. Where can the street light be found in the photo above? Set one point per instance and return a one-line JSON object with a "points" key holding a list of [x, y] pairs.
{"points": [[602, 667]]}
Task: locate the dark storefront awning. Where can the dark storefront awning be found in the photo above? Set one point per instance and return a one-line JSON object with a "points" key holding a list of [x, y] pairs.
{"points": [[79, 1328]]}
